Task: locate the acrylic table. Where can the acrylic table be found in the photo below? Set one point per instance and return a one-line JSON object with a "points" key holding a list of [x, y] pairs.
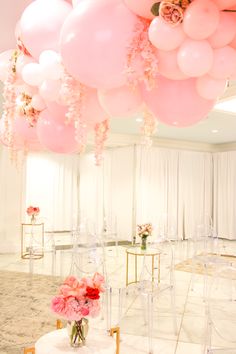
{"points": [[32, 240]]}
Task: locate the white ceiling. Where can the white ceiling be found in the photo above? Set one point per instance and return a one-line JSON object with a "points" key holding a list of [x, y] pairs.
{"points": [[224, 123]]}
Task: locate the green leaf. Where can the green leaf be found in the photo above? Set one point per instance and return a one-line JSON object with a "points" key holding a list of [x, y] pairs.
{"points": [[155, 9]]}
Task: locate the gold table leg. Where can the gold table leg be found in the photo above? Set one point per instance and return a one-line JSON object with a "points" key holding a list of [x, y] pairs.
{"points": [[153, 268], [29, 351], [116, 331], [127, 269], [136, 269], [159, 269], [59, 324]]}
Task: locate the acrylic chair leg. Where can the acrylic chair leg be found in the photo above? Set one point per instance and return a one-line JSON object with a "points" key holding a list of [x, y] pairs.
{"points": [[173, 310], [150, 322], [108, 306], [53, 261]]}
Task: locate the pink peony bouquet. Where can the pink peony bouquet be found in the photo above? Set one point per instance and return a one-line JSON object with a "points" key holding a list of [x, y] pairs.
{"points": [[33, 211], [144, 230], [79, 298]]}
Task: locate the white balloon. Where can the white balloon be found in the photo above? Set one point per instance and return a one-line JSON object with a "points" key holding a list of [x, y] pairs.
{"points": [[32, 74], [50, 62]]}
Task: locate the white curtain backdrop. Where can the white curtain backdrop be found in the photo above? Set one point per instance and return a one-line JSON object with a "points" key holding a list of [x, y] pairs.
{"points": [[174, 189], [225, 194], [52, 185], [11, 182]]}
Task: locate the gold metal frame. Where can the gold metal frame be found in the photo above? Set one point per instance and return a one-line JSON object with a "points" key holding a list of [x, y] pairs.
{"points": [[24, 253], [116, 331], [59, 324], [136, 255]]}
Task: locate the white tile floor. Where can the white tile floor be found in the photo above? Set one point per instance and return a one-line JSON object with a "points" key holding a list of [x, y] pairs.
{"points": [[190, 305]]}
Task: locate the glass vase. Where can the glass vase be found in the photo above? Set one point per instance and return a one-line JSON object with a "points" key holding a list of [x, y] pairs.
{"points": [[77, 331], [33, 219], [144, 243]]}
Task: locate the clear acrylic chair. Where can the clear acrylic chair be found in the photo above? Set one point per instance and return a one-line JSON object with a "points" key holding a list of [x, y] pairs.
{"points": [[151, 287], [221, 313], [110, 235]]}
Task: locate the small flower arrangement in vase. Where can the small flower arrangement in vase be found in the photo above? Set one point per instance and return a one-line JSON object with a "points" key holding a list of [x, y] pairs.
{"points": [[33, 212], [144, 231], [77, 300]]}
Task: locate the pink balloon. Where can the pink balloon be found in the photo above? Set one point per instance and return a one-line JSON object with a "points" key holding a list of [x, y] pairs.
{"points": [[195, 58], [225, 4], [141, 7], [24, 130], [41, 24], [233, 43], [58, 111], [224, 63], [92, 112], [50, 90], [225, 32], [121, 102], [38, 103], [209, 88], [22, 61], [177, 103], [165, 37], [55, 134], [201, 19], [94, 41], [168, 66]]}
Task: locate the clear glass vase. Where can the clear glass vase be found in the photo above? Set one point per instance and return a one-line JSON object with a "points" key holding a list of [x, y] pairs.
{"points": [[77, 331], [144, 243]]}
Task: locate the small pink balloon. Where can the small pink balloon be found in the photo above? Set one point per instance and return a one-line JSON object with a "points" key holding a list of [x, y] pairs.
{"points": [[24, 130], [41, 24], [168, 66], [38, 103], [224, 63], [201, 19], [55, 134], [50, 90], [141, 7], [195, 58], [209, 88], [177, 103], [32, 74], [225, 32], [94, 42], [165, 37], [121, 102]]}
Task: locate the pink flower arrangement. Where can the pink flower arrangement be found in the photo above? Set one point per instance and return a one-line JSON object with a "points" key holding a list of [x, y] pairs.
{"points": [[144, 230], [79, 298], [33, 211]]}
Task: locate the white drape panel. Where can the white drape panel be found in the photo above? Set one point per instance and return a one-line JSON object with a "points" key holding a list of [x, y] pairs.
{"points": [[52, 184], [107, 191], [225, 194], [174, 189], [11, 182]]}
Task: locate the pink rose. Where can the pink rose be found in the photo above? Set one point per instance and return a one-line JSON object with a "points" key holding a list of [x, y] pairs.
{"points": [[94, 308], [71, 281], [98, 281]]}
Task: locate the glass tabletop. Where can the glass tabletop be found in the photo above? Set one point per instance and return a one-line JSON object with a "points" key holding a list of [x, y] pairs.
{"points": [[136, 250]]}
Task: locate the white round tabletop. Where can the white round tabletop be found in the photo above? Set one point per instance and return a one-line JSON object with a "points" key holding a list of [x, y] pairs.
{"points": [[137, 251], [57, 342]]}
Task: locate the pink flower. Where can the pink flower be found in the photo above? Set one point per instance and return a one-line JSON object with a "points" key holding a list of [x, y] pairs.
{"points": [[171, 13], [99, 281], [71, 281], [72, 310], [58, 305], [84, 311], [94, 308]]}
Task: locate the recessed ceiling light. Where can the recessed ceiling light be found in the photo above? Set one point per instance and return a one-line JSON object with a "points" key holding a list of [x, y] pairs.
{"points": [[215, 131], [139, 120]]}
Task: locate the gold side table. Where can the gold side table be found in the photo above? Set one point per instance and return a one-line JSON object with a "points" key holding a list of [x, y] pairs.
{"points": [[32, 238], [137, 252]]}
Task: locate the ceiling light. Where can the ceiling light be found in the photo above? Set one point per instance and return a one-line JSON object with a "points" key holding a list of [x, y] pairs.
{"points": [[228, 106], [139, 120], [215, 131]]}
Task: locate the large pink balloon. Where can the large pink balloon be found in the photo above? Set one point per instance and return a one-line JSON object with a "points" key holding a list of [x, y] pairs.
{"points": [[168, 66], [225, 32], [24, 130], [201, 19], [225, 4], [121, 102], [92, 112], [41, 24], [209, 88], [141, 7], [195, 58], [94, 41], [165, 37], [55, 134], [224, 63], [177, 103]]}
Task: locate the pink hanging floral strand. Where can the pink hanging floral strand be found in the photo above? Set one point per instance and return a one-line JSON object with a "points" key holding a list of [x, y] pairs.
{"points": [[101, 133], [72, 95], [149, 127], [141, 48]]}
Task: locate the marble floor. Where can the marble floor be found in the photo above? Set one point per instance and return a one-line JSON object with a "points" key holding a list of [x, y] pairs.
{"points": [[190, 304]]}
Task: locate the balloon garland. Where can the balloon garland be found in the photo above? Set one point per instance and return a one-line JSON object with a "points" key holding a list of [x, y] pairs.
{"points": [[78, 64]]}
